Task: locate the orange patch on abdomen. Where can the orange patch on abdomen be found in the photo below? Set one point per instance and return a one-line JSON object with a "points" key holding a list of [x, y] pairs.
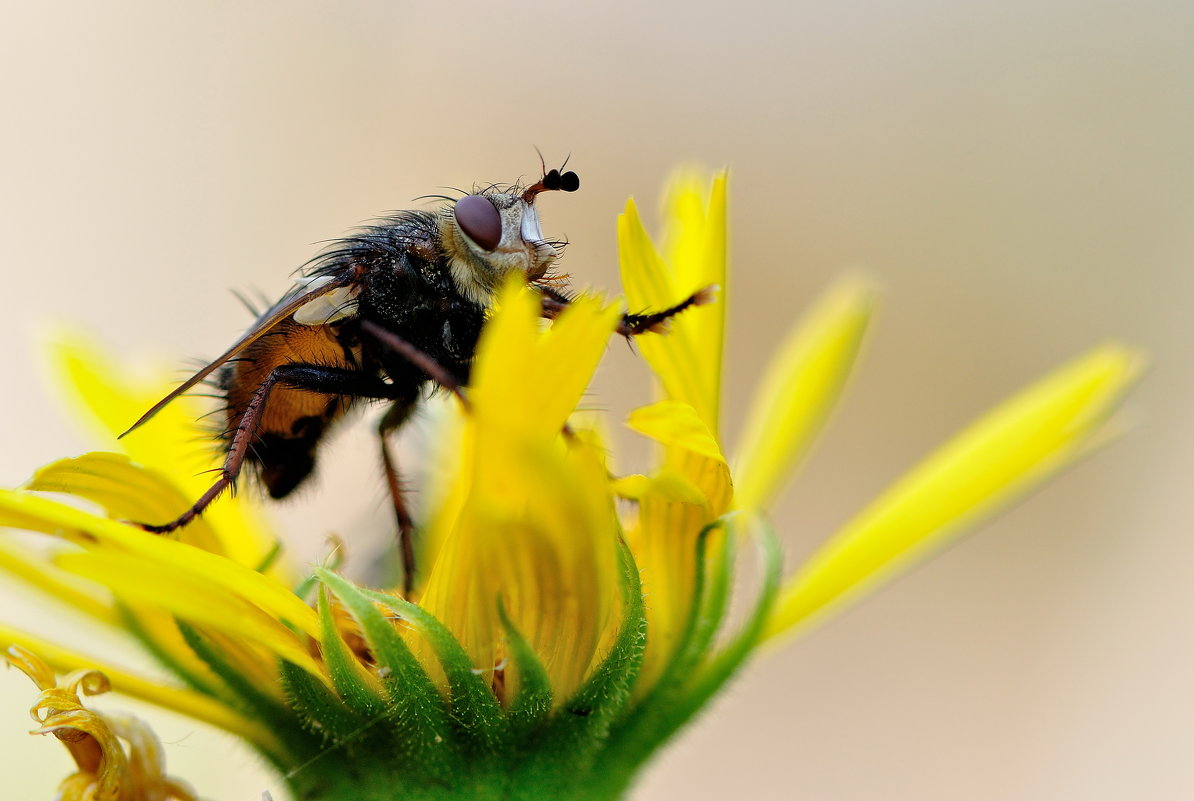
{"points": [[288, 409]]}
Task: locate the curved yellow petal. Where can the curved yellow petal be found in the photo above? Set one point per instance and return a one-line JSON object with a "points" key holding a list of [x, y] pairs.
{"points": [[664, 535], [186, 702], [676, 424], [695, 247], [798, 391], [668, 484], [126, 491], [1012, 449]]}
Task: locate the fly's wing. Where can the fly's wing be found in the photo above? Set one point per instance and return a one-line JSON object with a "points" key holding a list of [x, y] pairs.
{"points": [[281, 311]]}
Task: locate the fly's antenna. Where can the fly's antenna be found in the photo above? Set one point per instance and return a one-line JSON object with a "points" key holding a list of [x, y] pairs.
{"points": [[552, 180]]}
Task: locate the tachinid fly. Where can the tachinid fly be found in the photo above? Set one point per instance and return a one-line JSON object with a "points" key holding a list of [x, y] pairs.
{"points": [[375, 317]]}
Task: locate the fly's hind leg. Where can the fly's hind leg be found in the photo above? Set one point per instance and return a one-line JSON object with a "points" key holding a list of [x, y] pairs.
{"points": [[392, 420], [394, 417], [313, 378]]}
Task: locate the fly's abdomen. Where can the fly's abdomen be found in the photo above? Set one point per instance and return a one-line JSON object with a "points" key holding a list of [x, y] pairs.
{"points": [[294, 420]]}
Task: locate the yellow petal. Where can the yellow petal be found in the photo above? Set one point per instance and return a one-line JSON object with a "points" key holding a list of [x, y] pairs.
{"points": [[687, 359], [530, 523], [174, 444], [108, 769], [800, 388], [31, 566], [695, 244], [1013, 448], [126, 491], [26, 511], [664, 537], [189, 598], [530, 379], [667, 484], [676, 424]]}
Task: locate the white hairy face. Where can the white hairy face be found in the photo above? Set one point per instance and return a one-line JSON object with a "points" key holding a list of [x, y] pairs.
{"points": [[489, 236]]}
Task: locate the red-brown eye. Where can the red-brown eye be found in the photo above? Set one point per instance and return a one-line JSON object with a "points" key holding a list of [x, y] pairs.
{"points": [[479, 220]]}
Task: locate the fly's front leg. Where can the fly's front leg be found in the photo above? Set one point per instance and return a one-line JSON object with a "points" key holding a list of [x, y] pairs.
{"points": [[313, 378], [632, 325], [421, 359]]}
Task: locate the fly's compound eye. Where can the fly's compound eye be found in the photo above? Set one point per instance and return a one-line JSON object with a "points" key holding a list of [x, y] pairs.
{"points": [[480, 221]]}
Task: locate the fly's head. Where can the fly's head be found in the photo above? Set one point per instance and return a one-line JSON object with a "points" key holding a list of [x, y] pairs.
{"points": [[491, 234]]}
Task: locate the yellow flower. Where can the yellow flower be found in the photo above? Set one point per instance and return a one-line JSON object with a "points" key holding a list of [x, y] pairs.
{"points": [[550, 643]]}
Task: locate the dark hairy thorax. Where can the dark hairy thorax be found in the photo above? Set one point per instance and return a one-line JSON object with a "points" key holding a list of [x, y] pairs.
{"points": [[406, 288]]}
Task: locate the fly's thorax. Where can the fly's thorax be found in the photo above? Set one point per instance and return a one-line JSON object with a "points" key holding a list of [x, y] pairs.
{"points": [[489, 236]]}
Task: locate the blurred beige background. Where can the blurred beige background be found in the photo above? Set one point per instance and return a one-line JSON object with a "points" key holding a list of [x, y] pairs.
{"points": [[1018, 176]]}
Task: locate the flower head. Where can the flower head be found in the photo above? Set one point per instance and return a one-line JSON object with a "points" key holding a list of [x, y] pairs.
{"points": [[565, 622]]}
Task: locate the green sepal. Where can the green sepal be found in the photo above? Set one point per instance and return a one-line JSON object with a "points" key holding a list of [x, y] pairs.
{"points": [[419, 717], [658, 716], [270, 557], [473, 705], [532, 700], [586, 715], [131, 622], [241, 692], [319, 709], [710, 601], [348, 675], [714, 674]]}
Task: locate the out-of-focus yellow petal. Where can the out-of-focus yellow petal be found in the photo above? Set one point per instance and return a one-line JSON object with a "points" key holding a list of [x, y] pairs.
{"points": [[799, 389], [186, 702], [173, 444], [31, 566], [23, 510], [695, 247], [1013, 448], [687, 359]]}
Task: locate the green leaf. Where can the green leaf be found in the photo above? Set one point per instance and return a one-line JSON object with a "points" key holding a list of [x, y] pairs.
{"points": [[420, 716], [710, 601], [474, 706]]}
